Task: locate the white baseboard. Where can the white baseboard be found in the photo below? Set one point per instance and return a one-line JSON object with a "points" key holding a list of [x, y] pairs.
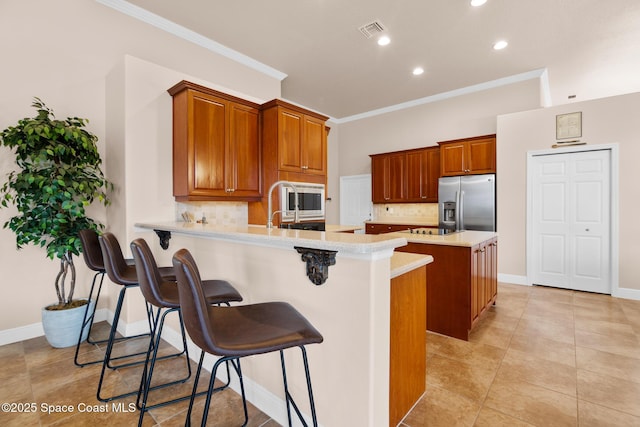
{"points": [[513, 279], [627, 293], [35, 330]]}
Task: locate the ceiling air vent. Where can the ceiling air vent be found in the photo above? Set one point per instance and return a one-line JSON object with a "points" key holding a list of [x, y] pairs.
{"points": [[371, 29]]}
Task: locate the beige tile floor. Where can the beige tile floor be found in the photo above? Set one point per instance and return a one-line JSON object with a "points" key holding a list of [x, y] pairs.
{"points": [[540, 357]]}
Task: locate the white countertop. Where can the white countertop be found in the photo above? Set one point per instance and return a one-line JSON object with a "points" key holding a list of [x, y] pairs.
{"points": [[404, 262], [343, 228], [344, 243], [462, 238]]}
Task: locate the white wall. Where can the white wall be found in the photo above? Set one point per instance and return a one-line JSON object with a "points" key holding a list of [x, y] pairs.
{"points": [[73, 55], [604, 121], [425, 125]]}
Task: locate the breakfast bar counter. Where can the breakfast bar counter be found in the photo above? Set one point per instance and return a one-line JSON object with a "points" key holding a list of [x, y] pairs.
{"points": [[352, 309]]}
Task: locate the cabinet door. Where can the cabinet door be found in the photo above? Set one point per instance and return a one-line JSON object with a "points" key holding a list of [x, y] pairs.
{"points": [[244, 176], [397, 178], [417, 176], [433, 174], [289, 141], [314, 147], [492, 270], [207, 145], [453, 159], [423, 171], [478, 280], [380, 179], [482, 156]]}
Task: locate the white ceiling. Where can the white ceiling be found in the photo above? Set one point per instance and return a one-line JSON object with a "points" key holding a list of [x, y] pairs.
{"points": [[589, 48]]}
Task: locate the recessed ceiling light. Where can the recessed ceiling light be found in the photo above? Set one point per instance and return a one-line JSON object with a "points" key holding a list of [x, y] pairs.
{"points": [[499, 45], [384, 40], [477, 3], [417, 71]]}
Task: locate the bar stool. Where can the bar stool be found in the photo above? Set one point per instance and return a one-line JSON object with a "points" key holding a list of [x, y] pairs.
{"points": [[239, 331], [92, 255], [124, 274], [163, 295]]}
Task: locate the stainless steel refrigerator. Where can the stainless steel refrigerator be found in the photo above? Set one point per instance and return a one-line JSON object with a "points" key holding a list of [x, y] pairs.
{"points": [[467, 202]]}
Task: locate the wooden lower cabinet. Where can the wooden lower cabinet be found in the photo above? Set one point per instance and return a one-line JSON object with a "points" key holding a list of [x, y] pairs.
{"points": [[408, 349], [462, 284]]}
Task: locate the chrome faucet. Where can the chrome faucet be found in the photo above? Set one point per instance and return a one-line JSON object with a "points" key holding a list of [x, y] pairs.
{"points": [[270, 215]]}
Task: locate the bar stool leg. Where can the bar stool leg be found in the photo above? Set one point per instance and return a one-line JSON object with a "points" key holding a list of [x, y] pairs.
{"points": [[289, 398], [152, 357], [89, 321], [195, 389], [106, 362]]}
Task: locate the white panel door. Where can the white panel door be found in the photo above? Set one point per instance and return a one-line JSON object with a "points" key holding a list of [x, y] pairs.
{"points": [[355, 199], [571, 235]]}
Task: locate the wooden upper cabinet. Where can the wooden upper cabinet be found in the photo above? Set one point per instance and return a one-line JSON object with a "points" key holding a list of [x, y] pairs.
{"points": [[216, 145], [468, 156], [389, 177], [423, 171], [301, 139], [314, 148], [405, 176], [244, 152]]}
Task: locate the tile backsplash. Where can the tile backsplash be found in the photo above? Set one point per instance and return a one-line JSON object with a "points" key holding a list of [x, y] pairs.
{"points": [[422, 212], [217, 213]]}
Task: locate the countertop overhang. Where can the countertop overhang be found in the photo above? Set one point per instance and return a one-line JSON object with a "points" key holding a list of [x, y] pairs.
{"points": [[466, 238], [346, 244]]}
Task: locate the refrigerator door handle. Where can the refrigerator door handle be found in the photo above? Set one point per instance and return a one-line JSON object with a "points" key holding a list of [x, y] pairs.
{"points": [[460, 211], [457, 218]]}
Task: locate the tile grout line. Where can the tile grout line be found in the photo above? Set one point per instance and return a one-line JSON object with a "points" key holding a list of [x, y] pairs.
{"points": [[482, 404]]}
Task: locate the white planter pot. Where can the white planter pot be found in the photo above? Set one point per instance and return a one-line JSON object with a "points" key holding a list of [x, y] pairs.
{"points": [[62, 327]]}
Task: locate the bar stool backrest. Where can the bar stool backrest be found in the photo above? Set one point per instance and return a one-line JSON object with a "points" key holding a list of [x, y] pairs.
{"points": [[91, 251], [149, 276], [193, 303], [117, 269]]}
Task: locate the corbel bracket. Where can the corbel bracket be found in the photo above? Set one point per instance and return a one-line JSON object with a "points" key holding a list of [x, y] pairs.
{"points": [[164, 236], [318, 262]]}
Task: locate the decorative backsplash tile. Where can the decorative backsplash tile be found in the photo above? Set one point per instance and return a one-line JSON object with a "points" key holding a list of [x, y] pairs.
{"points": [[416, 211], [217, 213]]}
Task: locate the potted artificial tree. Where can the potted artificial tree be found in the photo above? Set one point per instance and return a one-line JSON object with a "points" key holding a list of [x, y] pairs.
{"points": [[58, 177]]}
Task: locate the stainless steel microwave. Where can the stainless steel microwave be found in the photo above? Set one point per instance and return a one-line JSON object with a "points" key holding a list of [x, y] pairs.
{"points": [[310, 201]]}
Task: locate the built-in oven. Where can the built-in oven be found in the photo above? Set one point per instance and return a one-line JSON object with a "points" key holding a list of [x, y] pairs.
{"points": [[310, 201]]}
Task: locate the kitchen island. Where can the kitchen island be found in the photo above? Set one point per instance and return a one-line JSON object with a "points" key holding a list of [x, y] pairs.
{"points": [[352, 371], [462, 280]]}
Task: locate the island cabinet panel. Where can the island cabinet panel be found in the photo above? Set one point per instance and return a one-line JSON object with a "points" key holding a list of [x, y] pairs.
{"points": [[216, 145], [462, 284], [408, 349], [468, 156]]}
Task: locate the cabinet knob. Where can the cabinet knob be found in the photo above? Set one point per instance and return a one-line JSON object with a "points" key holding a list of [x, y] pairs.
{"points": [[305, 167]]}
